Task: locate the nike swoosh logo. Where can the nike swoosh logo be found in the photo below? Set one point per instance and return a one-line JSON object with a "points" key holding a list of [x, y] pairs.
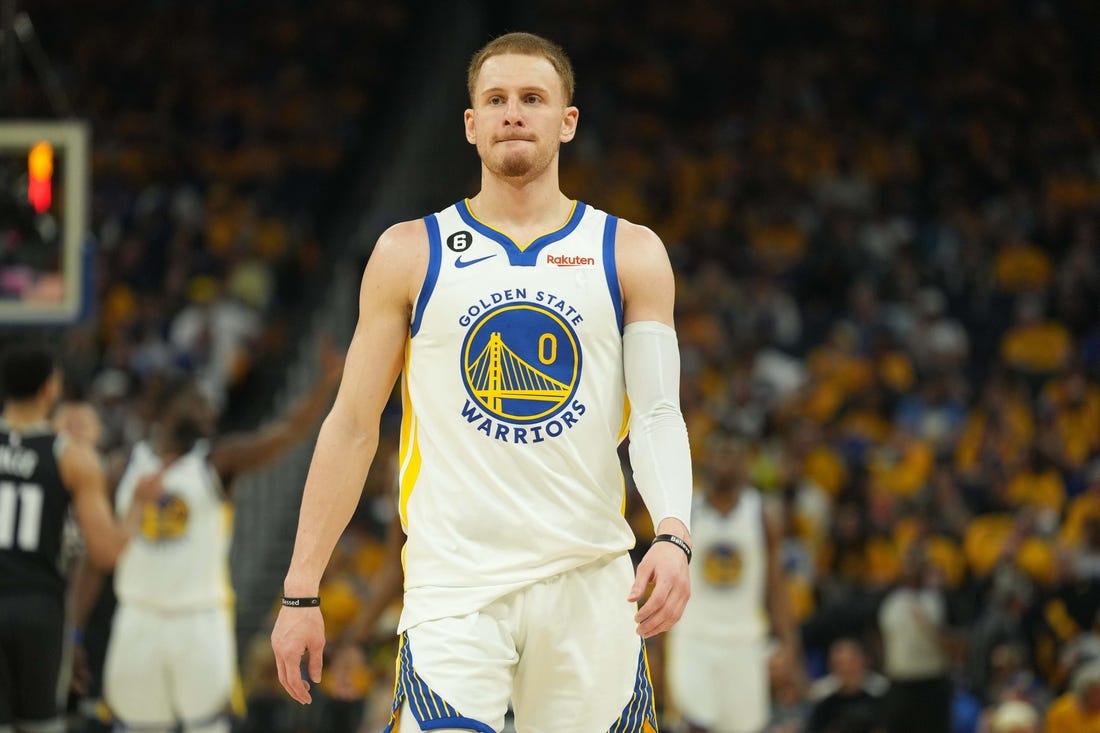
{"points": [[466, 263]]}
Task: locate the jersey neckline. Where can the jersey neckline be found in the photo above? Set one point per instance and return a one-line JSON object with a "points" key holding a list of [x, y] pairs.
{"points": [[530, 250], [38, 427]]}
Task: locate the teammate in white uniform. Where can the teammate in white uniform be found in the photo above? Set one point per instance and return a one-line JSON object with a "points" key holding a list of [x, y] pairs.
{"points": [[717, 658], [171, 659], [521, 320]]}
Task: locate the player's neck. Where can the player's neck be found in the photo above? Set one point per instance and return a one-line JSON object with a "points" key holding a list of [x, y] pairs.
{"points": [[512, 205], [166, 449], [23, 414]]}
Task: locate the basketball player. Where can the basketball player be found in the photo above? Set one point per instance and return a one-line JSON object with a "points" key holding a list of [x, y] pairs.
{"points": [[522, 321], [171, 658], [717, 658], [42, 474]]}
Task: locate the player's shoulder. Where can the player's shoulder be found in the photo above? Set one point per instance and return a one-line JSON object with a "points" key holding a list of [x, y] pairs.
{"points": [[402, 247], [639, 251], [636, 236], [405, 232], [77, 462], [70, 452], [403, 238]]}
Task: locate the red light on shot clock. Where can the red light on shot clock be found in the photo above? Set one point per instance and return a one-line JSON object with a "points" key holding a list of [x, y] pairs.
{"points": [[40, 178]]}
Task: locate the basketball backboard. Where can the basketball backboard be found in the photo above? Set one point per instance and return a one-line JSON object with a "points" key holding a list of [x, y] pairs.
{"points": [[43, 220]]}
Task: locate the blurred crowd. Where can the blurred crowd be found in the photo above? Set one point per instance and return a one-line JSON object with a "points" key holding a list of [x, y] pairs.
{"points": [[884, 219], [885, 224], [217, 144]]}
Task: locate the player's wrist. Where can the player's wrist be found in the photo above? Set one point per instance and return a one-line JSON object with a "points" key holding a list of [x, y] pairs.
{"points": [[294, 587], [673, 540], [676, 527]]}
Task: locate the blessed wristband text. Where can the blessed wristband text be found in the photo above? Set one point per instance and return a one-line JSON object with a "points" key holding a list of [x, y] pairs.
{"points": [[674, 540], [299, 602]]}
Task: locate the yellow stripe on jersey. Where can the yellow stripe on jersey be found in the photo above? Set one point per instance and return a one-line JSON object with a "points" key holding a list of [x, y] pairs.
{"points": [[410, 448], [237, 703], [521, 247], [623, 430], [410, 471], [404, 572]]}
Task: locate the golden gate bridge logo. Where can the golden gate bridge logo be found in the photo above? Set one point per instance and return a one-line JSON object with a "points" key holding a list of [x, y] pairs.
{"points": [[723, 566], [521, 362]]}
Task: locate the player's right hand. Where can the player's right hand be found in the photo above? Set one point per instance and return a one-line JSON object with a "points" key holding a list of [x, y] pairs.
{"points": [[298, 632]]}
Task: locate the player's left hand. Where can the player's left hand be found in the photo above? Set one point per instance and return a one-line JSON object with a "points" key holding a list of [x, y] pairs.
{"points": [[665, 567]]}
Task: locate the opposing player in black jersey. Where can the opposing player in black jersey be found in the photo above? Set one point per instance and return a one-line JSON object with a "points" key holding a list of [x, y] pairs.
{"points": [[42, 474]]}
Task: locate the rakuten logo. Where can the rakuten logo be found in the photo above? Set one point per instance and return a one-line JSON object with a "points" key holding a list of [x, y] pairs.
{"points": [[569, 260]]}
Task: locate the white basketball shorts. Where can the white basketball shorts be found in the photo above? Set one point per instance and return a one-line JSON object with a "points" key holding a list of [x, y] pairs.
{"points": [[564, 652], [163, 668]]}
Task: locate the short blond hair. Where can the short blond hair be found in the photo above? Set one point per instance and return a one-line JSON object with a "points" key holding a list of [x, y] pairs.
{"points": [[524, 44]]}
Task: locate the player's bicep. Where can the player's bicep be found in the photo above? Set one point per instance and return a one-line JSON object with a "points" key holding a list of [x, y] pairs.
{"points": [[377, 351], [645, 275], [85, 480], [374, 360]]}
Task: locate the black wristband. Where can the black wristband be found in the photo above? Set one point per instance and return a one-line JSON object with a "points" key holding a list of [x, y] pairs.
{"points": [[298, 602], [674, 540]]}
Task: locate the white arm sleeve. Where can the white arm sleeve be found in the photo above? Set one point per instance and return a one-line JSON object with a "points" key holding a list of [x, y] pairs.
{"points": [[659, 453]]}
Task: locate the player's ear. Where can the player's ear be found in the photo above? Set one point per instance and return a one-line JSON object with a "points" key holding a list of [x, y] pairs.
{"points": [[471, 130], [569, 123]]}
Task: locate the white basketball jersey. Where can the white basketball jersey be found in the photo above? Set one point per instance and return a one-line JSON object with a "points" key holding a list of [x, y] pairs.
{"points": [[179, 560], [728, 571], [514, 405]]}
